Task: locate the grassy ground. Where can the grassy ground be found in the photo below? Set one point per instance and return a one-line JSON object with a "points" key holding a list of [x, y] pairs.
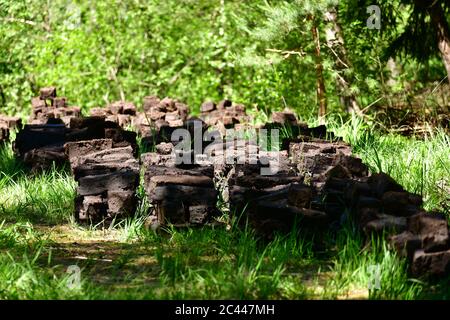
{"points": [[39, 241]]}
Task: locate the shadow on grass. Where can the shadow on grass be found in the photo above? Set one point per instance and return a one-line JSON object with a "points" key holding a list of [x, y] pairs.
{"points": [[197, 264], [187, 264]]}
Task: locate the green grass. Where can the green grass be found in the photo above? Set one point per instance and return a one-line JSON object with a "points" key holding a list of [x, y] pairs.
{"points": [[46, 197], [356, 264], [22, 274], [38, 241], [201, 264]]}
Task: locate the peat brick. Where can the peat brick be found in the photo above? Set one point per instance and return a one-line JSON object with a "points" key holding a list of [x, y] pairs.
{"points": [[380, 183], [59, 102], [434, 264], [43, 158], [4, 134], [405, 244], [432, 229], [48, 108], [224, 114], [78, 149], [286, 117], [116, 181], [93, 121], [386, 223], [188, 194], [90, 208], [121, 203], [394, 202], [47, 93], [38, 105], [150, 102], [300, 195], [10, 122]]}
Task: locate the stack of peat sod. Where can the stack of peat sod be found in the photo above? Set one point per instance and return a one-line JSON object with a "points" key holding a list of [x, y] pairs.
{"points": [[8, 123], [377, 203], [40, 146], [382, 206], [121, 112], [160, 118], [268, 202], [224, 113], [293, 191], [48, 108], [107, 178], [182, 194], [328, 167]]}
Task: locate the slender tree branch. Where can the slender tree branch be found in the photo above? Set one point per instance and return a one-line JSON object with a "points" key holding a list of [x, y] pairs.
{"points": [[28, 22]]}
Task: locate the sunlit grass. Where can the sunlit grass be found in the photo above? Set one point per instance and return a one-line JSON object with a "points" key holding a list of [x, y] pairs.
{"points": [[127, 261]]}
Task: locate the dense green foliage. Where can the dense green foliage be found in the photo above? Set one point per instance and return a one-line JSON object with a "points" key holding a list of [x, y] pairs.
{"points": [[100, 51], [97, 51]]}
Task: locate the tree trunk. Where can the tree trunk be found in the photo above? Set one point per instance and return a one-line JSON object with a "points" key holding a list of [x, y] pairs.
{"points": [[319, 74], [443, 34], [335, 41]]}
